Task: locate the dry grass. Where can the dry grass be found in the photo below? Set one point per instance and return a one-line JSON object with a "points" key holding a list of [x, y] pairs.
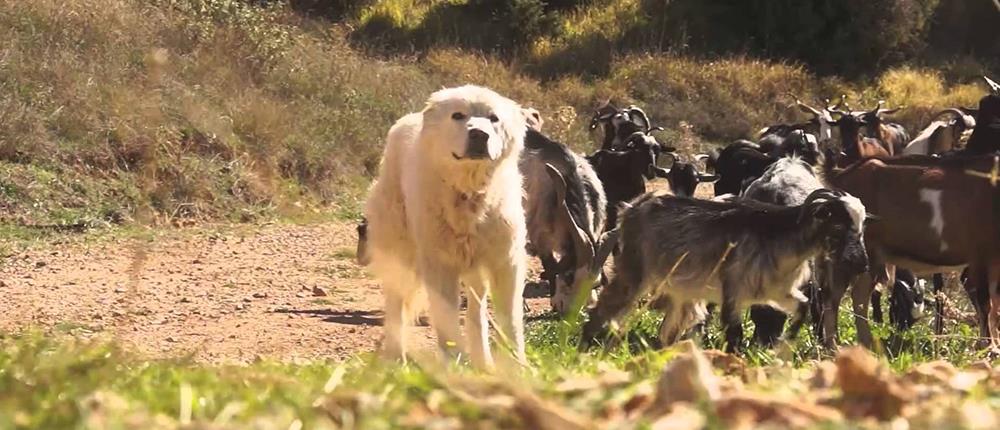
{"points": [[177, 110]]}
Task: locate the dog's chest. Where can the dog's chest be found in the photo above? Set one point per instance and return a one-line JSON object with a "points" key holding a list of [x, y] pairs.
{"points": [[465, 222]]}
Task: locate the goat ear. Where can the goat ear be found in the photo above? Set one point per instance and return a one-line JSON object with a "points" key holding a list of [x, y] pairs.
{"points": [[872, 219]]}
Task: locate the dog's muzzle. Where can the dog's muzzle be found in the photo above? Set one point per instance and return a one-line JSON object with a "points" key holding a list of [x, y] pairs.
{"points": [[478, 145]]}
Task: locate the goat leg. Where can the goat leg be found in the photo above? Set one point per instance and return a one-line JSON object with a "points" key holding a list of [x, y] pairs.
{"points": [[731, 317], [801, 312], [977, 287], [861, 293], [876, 303], [549, 271], [938, 303]]}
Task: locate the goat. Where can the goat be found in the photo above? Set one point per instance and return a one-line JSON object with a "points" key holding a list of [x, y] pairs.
{"points": [[856, 146], [892, 135], [771, 138], [985, 137], [620, 124], [736, 165], [945, 215], [684, 177], [787, 182], [688, 251], [906, 303], [564, 209], [624, 173], [941, 135]]}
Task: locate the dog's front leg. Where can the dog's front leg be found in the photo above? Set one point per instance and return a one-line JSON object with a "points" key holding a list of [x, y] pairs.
{"points": [[508, 296], [442, 293], [477, 320]]}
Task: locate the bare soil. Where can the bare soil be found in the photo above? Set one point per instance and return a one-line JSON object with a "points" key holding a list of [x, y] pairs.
{"points": [[225, 294]]}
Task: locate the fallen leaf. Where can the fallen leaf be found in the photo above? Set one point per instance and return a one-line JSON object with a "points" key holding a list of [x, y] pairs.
{"points": [[870, 389], [746, 410], [682, 416], [686, 378]]}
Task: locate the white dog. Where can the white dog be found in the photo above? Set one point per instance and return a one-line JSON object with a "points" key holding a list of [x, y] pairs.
{"points": [[446, 211]]}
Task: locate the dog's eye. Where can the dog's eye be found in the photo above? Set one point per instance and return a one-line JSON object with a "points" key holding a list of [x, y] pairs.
{"points": [[494, 118], [458, 116]]}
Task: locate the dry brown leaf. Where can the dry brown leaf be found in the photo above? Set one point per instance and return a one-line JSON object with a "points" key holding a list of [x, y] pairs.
{"points": [[824, 376], [540, 414], [934, 372], [729, 364], [751, 410], [686, 378], [606, 379], [870, 389], [682, 416]]}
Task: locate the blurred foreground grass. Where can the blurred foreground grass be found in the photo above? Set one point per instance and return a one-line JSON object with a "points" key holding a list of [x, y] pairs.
{"points": [[51, 381]]}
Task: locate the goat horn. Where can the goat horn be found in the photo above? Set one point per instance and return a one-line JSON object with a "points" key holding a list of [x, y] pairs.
{"points": [[806, 108], [582, 239], [607, 243], [635, 110], [953, 111], [968, 121], [994, 87]]}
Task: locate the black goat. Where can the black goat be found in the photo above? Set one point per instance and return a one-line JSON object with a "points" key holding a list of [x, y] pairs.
{"points": [[737, 165], [624, 173], [684, 177], [620, 124], [985, 137]]}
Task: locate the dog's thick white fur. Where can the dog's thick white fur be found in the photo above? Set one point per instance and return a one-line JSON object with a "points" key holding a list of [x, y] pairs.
{"points": [[447, 211]]}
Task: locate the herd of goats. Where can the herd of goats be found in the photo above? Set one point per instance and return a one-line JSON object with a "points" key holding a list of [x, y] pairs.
{"points": [[799, 219]]}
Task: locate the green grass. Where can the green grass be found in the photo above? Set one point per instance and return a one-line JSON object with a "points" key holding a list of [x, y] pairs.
{"points": [[61, 381]]}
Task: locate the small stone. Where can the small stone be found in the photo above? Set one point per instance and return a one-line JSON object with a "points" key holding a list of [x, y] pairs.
{"points": [[241, 307], [247, 300], [40, 264], [260, 295], [319, 291], [119, 290], [185, 300], [171, 339]]}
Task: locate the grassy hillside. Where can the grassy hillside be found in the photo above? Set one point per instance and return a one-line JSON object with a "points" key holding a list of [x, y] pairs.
{"points": [[177, 111]]}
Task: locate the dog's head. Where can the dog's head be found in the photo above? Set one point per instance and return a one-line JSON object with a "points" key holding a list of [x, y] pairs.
{"points": [[471, 124]]}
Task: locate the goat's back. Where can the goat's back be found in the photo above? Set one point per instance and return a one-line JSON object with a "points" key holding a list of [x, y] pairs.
{"points": [[933, 211]]}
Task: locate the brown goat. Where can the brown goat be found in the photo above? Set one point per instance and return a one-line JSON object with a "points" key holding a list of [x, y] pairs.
{"points": [[938, 214], [891, 135], [856, 146]]}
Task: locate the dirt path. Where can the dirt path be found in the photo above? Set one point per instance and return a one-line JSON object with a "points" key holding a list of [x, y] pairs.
{"points": [[285, 292]]}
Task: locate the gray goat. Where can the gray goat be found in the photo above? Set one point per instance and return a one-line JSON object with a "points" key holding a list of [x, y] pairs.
{"points": [[687, 252], [787, 182]]}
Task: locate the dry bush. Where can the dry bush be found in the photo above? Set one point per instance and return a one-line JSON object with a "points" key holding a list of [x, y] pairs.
{"points": [[218, 108]]}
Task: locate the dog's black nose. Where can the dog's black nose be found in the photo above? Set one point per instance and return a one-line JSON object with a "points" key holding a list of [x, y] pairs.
{"points": [[478, 146]]}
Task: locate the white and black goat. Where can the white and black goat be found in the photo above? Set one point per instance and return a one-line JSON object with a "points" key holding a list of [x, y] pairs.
{"points": [[943, 134], [565, 214], [687, 252]]}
